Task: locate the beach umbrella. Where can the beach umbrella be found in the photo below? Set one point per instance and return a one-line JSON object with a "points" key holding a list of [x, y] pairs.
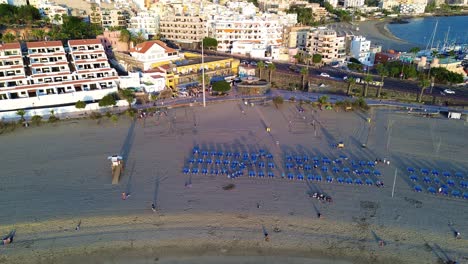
{"points": [[194, 170], [186, 170], [417, 188], [192, 160], [200, 161]]}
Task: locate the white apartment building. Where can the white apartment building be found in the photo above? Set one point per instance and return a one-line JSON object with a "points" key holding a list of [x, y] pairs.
{"points": [[17, 2], [325, 42], [266, 29], [412, 8], [360, 50], [145, 22], [54, 12], [47, 80], [114, 18], [183, 29], [353, 3], [333, 3], [151, 53], [248, 48]]}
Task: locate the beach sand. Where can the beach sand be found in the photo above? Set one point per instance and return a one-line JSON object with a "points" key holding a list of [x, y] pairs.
{"points": [[377, 32], [55, 176]]}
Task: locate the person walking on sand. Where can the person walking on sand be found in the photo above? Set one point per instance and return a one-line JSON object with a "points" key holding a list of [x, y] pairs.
{"points": [[153, 207]]}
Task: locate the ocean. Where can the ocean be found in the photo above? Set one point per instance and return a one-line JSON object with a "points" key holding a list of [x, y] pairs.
{"points": [[419, 30]]}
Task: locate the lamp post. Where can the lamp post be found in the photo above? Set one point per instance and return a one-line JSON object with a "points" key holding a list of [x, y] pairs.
{"points": [[203, 73]]}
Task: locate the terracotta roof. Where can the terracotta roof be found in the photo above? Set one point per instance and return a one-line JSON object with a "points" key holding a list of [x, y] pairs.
{"points": [[8, 46], [78, 42], [44, 44], [145, 46]]}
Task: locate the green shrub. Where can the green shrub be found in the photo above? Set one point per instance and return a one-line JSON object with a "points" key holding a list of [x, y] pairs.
{"points": [[108, 114], [95, 115], [36, 120], [114, 118], [53, 119]]}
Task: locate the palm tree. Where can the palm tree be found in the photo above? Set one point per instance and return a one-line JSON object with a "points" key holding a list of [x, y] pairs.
{"points": [[128, 95], [383, 72], [423, 84], [260, 67], [38, 34], [367, 80], [305, 74], [125, 36], [21, 113], [298, 57], [139, 38], [8, 37], [351, 81], [271, 69]]}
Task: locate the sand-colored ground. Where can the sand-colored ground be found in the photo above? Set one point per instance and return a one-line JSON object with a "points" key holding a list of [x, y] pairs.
{"points": [[55, 176]]}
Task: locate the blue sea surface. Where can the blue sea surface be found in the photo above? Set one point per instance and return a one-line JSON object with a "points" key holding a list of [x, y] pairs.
{"points": [[419, 30]]}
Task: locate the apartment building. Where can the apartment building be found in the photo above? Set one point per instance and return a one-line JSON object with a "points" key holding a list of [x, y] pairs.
{"points": [[228, 29], [295, 36], [353, 3], [146, 23], [333, 3], [12, 72], [360, 49], [50, 77], [114, 18], [110, 40], [325, 42], [406, 6], [182, 28], [153, 53], [54, 12]]}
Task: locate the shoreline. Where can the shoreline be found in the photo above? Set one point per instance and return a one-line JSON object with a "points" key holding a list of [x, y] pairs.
{"points": [[218, 235]]}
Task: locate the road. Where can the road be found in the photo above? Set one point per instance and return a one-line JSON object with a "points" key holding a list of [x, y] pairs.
{"points": [[338, 74]]}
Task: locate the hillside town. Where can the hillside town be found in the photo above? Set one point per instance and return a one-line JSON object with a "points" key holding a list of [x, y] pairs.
{"points": [[60, 53]]}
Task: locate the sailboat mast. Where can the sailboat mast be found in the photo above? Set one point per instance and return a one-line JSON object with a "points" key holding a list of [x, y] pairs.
{"points": [[434, 34]]}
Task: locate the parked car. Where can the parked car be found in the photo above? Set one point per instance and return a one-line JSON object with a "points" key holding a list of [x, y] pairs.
{"points": [[253, 63], [324, 74], [448, 91]]}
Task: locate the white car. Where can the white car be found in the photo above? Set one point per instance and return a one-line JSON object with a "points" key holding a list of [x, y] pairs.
{"points": [[324, 74], [448, 91]]}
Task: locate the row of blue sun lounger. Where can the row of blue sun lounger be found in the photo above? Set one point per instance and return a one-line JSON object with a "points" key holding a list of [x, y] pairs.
{"points": [[237, 155], [444, 191], [435, 172], [428, 180], [271, 174]]}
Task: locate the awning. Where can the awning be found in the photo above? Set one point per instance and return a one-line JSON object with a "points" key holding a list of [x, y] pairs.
{"points": [[185, 85]]}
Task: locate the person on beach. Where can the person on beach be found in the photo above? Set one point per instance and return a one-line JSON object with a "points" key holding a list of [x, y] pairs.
{"points": [[125, 195], [153, 207]]}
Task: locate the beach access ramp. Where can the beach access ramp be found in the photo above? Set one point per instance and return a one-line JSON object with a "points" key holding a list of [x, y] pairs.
{"points": [[116, 171]]}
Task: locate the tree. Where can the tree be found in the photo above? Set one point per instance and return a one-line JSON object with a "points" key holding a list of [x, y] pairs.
{"points": [[125, 36], [80, 105], [221, 87], [323, 99], [260, 67], [138, 38], [316, 58], [414, 50], [367, 80], [351, 81], [128, 95], [298, 58], [21, 113], [36, 120], [210, 43], [423, 84], [38, 34], [383, 72], [271, 69], [108, 100], [8, 37], [305, 74], [278, 100]]}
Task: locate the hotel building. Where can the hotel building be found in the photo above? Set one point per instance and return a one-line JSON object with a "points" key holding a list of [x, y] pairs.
{"points": [[325, 42]]}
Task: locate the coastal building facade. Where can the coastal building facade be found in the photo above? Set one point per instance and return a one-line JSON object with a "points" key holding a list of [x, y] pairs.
{"points": [[153, 53], [146, 23], [353, 3], [182, 29], [360, 49], [327, 43], [49, 78], [295, 36]]}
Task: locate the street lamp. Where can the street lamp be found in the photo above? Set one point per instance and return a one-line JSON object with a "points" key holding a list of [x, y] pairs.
{"points": [[203, 73]]}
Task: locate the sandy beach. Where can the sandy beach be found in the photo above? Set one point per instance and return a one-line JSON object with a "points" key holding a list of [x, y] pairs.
{"points": [[378, 33], [56, 176]]}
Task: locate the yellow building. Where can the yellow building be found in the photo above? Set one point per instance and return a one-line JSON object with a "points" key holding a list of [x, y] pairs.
{"points": [[188, 72]]}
